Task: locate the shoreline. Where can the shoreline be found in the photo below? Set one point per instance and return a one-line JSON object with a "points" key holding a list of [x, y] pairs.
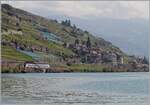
{"points": [[21, 67], [77, 72]]}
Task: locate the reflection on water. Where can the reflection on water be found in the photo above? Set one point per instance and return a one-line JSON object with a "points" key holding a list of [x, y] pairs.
{"points": [[76, 88]]}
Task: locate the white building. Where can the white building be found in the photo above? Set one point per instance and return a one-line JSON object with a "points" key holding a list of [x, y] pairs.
{"points": [[37, 65]]}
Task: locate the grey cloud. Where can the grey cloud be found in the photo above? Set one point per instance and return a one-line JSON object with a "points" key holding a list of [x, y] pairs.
{"points": [[84, 9]]}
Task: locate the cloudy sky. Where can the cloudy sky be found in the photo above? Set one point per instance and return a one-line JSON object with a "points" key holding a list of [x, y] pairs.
{"points": [[86, 9]]}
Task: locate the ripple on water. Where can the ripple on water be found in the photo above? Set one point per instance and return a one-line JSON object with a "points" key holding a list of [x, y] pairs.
{"points": [[74, 89]]}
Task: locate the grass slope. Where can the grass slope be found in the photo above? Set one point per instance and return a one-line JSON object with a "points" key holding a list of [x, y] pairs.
{"points": [[12, 54], [29, 23]]}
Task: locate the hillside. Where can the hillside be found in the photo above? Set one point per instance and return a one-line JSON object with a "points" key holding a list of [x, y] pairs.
{"points": [[120, 32], [28, 37], [32, 27]]}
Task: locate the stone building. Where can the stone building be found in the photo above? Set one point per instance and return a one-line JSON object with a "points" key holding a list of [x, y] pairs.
{"points": [[94, 57], [120, 59], [109, 57]]}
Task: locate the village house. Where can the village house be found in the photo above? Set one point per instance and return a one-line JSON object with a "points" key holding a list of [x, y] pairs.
{"points": [[109, 57], [120, 59], [132, 60], [94, 57], [94, 54], [139, 60], [142, 67]]}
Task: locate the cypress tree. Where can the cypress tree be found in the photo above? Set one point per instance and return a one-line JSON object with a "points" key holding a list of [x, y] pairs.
{"points": [[145, 61], [77, 41], [88, 43]]}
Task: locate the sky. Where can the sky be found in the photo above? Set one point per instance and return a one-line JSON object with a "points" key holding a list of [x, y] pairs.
{"points": [[86, 9]]}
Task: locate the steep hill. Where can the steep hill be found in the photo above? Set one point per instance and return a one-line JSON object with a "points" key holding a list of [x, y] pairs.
{"points": [[120, 32], [42, 39]]}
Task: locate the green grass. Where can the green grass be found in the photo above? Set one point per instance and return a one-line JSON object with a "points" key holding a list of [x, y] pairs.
{"points": [[31, 36], [95, 68], [87, 68], [56, 48], [11, 54], [29, 40]]}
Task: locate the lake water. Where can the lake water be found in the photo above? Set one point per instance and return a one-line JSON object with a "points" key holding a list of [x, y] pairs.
{"points": [[76, 88]]}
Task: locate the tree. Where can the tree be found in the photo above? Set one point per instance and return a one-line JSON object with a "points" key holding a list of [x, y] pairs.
{"points": [[88, 43], [63, 22], [86, 32], [20, 19], [74, 26], [16, 44], [65, 44], [145, 61], [83, 60], [17, 24], [76, 41], [19, 29], [83, 42], [66, 23], [55, 21], [96, 44]]}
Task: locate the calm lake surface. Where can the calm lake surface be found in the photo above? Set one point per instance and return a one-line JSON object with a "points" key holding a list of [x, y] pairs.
{"points": [[76, 88]]}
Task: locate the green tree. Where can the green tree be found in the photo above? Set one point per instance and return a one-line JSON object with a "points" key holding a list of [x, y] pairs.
{"points": [[77, 41], [88, 43], [74, 27], [66, 23], [145, 61]]}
